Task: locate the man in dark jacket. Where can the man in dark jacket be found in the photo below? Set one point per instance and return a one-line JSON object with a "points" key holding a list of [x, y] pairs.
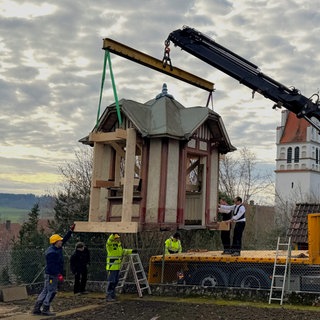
{"points": [[53, 273], [78, 265]]}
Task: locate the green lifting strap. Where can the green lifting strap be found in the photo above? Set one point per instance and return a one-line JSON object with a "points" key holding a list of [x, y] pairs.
{"points": [[107, 58]]}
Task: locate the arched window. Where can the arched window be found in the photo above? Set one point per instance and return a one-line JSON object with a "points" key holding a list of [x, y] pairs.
{"points": [[296, 154], [289, 155], [317, 156]]}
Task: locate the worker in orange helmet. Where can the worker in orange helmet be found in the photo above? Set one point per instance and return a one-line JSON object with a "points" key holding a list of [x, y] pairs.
{"points": [[53, 273]]}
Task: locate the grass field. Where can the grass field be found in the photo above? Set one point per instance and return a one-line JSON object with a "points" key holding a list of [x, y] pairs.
{"points": [[13, 214], [17, 215]]}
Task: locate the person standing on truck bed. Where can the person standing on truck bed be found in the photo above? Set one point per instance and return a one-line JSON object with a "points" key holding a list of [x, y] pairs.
{"points": [[238, 216], [173, 244], [225, 234]]}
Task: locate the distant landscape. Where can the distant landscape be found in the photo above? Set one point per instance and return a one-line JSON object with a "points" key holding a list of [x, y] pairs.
{"points": [[15, 207]]}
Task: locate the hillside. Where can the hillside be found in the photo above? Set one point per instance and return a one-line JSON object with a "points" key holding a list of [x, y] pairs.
{"points": [[15, 207]]}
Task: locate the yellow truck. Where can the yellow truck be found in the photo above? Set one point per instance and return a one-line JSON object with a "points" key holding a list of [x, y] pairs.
{"points": [[253, 269]]}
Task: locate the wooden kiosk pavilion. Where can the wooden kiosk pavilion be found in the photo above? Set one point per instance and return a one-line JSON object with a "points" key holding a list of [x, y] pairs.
{"points": [[158, 170]]}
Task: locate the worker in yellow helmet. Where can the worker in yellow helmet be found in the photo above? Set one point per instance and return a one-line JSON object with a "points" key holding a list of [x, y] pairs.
{"points": [[53, 273], [173, 244], [115, 253]]}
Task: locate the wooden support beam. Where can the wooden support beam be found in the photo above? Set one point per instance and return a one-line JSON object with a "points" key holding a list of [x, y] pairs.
{"points": [[155, 64], [135, 181], [100, 171], [117, 177], [117, 148], [129, 176], [103, 184], [106, 227], [106, 137], [121, 133]]}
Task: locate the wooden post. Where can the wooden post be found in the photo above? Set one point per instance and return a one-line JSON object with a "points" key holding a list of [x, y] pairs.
{"points": [[129, 176]]}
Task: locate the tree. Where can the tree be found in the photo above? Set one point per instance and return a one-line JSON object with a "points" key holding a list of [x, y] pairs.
{"points": [[239, 176], [72, 202], [27, 252]]}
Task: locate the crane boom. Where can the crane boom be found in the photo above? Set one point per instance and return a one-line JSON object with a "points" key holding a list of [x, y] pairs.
{"points": [[247, 73]]}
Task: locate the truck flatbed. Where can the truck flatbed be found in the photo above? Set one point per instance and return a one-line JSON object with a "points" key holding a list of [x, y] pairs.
{"points": [[255, 256]]}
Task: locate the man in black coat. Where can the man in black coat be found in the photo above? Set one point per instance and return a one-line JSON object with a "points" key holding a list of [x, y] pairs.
{"points": [[78, 265]]}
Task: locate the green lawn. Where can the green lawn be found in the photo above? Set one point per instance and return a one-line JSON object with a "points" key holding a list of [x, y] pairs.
{"points": [[19, 215], [13, 214]]}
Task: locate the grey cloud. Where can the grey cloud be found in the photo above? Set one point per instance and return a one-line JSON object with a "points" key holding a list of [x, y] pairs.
{"points": [[281, 40], [22, 73]]}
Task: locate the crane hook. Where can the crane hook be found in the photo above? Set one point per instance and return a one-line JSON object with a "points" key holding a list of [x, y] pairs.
{"points": [[166, 56]]}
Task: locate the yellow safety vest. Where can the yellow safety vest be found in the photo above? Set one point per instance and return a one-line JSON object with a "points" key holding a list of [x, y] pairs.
{"points": [[115, 252], [172, 246]]}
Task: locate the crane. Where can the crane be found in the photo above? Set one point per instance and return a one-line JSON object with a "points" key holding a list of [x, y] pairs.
{"points": [[247, 73]]}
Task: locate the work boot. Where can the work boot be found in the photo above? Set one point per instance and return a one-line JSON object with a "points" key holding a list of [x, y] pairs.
{"points": [[36, 309], [110, 299], [46, 311]]}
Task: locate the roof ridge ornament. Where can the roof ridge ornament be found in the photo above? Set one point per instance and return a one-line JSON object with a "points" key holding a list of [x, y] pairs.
{"points": [[164, 93]]}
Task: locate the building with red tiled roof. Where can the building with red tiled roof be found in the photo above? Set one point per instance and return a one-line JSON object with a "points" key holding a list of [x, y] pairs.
{"points": [[9, 232], [298, 229], [298, 161]]}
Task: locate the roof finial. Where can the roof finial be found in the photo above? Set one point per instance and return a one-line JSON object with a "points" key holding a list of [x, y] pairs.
{"points": [[164, 92]]}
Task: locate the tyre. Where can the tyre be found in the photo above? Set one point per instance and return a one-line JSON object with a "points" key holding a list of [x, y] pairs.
{"points": [[210, 278], [251, 278]]}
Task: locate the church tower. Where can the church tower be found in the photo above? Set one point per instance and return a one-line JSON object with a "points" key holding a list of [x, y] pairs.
{"points": [[298, 161]]}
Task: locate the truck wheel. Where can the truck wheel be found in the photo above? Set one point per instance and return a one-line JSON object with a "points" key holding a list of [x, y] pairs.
{"points": [[251, 278], [210, 278]]}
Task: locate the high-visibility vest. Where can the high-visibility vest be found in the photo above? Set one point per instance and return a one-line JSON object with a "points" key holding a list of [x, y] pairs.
{"points": [[172, 246], [115, 252]]}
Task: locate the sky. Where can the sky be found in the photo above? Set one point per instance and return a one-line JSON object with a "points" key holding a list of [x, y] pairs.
{"points": [[52, 59]]}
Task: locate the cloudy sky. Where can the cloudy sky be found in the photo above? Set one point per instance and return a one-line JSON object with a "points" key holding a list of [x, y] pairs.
{"points": [[51, 65]]}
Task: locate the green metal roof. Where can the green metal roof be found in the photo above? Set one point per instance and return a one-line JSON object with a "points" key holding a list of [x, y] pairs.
{"points": [[166, 117]]}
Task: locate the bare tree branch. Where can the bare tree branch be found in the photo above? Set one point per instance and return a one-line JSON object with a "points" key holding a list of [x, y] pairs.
{"points": [[238, 176]]}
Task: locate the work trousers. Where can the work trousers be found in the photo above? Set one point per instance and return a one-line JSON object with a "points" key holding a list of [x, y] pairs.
{"points": [[225, 239], [80, 281], [237, 236], [112, 282], [49, 290]]}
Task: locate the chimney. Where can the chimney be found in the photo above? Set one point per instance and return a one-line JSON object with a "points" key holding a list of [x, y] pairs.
{"points": [[8, 225]]}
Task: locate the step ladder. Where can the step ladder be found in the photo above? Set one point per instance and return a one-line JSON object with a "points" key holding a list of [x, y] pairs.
{"points": [[281, 271], [133, 262]]}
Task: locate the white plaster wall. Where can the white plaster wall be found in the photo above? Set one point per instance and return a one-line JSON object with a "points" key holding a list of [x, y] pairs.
{"points": [[303, 186], [172, 182], [153, 181]]}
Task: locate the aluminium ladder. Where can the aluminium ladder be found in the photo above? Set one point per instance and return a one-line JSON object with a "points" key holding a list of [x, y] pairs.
{"points": [[133, 262], [281, 270]]}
